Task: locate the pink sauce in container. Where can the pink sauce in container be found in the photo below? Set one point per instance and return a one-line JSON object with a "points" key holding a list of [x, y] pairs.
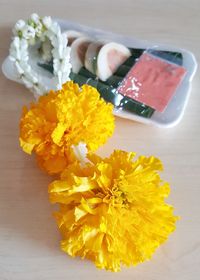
{"points": [[152, 81]]}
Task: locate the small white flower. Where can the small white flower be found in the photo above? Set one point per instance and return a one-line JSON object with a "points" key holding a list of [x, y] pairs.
{"points": [[66, 52], [26, 67], [59, 76], [28, 83], [19, 68], [53, 38], [57, 52], [23, 44], [35, 18], [65, 66], [56, 64], [55, 28], [28, 32], [62, 40], [24, 50], [17, 52], [32, 77], [24, 57], [16, 42], [38, 29], [47, 21], [61, 64], [61, 51], [13, 52], [20, 24], [65, 77]]}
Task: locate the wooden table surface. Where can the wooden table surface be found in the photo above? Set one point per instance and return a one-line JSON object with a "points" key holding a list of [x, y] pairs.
{"points": [[29, 240]]}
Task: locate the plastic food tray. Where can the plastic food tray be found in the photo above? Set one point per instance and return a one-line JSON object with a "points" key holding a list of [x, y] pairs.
{"points": [[175, 109]]}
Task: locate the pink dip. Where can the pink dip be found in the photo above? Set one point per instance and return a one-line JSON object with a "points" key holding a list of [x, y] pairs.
{"points": [[152, 81]]}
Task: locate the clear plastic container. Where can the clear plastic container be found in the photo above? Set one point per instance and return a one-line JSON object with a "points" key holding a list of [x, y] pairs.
{"points": [[176, 107]]}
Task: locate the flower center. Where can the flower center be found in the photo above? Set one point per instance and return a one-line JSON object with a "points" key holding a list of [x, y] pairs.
{"points": [[115, 197]]}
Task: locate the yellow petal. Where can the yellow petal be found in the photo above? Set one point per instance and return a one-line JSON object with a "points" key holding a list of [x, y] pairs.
{"points": [[58, 186], [27, 147], [58, 132], [79, 213]]}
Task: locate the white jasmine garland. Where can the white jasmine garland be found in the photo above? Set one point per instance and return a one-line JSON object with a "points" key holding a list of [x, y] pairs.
{"points": [[54, 46]]}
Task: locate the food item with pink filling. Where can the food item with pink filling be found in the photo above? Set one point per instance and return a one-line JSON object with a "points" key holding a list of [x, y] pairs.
{"points": [[110, 57], [72, 35], [78, 51], [91, 56]]}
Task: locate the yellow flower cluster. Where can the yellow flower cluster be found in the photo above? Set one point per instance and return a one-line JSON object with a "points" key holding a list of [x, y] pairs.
{"points": [[112, 211], [62, 119]]}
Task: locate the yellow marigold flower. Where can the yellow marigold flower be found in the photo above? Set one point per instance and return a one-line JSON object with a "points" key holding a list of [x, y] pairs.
{"points": [[62, 119], [112, 211]]}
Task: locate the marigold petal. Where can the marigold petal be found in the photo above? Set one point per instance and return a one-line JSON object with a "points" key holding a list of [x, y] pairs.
{"points": [[58, 133], [79, 213], [26, 147]]}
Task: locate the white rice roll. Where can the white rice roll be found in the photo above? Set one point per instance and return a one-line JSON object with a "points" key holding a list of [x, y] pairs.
{"points": [[72, 35], [110, 57], [78, 50], [91, 56]]}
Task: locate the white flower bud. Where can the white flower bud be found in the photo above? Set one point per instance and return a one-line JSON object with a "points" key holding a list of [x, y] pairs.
{"points": [[19, 25], [19, 68], [24, 44], [35, 18], [16, 42], [35, 80], [28, 32], [25, 66], [27, 82], [55, 28], [59, 76], [38, 29], [47, 21]]}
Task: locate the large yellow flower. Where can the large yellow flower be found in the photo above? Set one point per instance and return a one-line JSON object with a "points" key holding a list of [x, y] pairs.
{"points": [[112, 211], [62, 119]]}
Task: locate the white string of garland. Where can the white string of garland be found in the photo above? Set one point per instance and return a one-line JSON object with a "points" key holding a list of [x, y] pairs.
{"points": [[54, 45]]}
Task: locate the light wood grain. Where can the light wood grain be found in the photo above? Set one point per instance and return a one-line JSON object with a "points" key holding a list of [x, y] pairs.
{"points": [[29, 240]]}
